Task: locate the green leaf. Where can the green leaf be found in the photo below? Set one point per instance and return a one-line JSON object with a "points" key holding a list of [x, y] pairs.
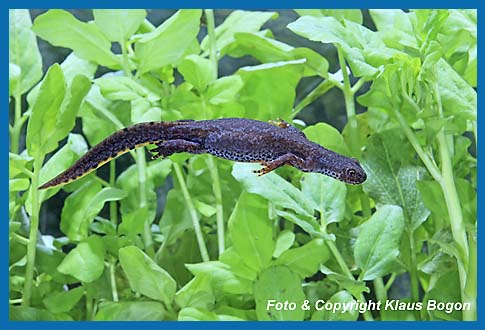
{"points": [[390, 180], [197, 293], [197, 71], [223, 280], [265, 100], [287, 287], [74, 65], [200, 314], [131, 311], [341, 298], [305, 260], [237, 264], [62, 29], [142, 111], [145, 276], [123, 88], [274, 188], [20, 313], [82, 206], [63, 301], [377, 245], [457, 96], [224, 90], [237, 21], [13, 77], [363, 48], [284, 241], [86, 261], [251, 231], [169, 42], [23, 51], [354, 15], [45, 112], [328, 137], [328, 195], [18, 185], [118, 24]]}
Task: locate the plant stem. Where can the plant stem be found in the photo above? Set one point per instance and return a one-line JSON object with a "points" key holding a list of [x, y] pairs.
{"points": [[113, 213], [318, 91], [209, 14], [17, 125], [147, 234], [216, 187], [470, 292], [112, 277], [193, 213], [413, 271], [343, 266], [34, 227]]}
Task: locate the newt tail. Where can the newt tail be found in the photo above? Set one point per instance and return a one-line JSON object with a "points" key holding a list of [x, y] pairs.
{"points": [[273, 145]]}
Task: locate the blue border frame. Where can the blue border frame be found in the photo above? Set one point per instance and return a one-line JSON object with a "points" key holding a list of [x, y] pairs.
{"points": [[246, 4]]}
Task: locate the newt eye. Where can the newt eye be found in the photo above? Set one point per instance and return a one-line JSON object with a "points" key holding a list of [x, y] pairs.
{"points": [[351, 172]]}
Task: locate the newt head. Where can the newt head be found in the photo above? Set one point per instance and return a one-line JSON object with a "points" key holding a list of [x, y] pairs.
{"points": [[342, 168]]}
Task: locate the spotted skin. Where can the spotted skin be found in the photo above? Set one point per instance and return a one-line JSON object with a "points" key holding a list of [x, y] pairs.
{"points": [[273, 145]]}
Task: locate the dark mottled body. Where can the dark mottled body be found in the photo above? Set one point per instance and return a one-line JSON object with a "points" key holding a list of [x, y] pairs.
{"points": [[271, 144]]}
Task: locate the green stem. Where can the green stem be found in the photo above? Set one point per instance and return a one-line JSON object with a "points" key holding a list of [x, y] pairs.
{"points": [[470, 292], [346, 271], [209, 14], [349, 106], [318, 91], [114, 290], [193, 213], [428, 163], [125, 60], [34, 227], [413, 272], [113, 213], [142, 168], [390, 281], [216, 187], [17, 125]]}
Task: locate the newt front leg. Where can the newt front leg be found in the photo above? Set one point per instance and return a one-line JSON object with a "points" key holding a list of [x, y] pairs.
{"points": [[286, 159]]}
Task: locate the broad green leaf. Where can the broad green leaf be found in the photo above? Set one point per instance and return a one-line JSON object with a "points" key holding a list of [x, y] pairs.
{"points": [[86, 261], [200, 314], [175, 220], [45, 112], [118, 24], [46, 261], [263, 98], [82, 206], [13, 78], [237, 21], [197, 293], [328, 137], [62, 29], [354, 15], [305, 260], [18, 163], [457, 96], [377, 245], [266, 50], [145, 276], [390, 180], [123, 88], [224, 90], [131, 311], [18, 184], [169, 42], [142, 111], [237, 264], [395, 27], [278, 284], [63, 301], [445, 288], [197, 71], [20, 313], [251, 231], [274, 188], [74, 65], [223, 279], [23, 51], [342, 298], [284, 241], [327, 194], [363, 48]]}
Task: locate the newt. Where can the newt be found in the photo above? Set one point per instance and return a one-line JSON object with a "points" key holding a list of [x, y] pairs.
{"points": [[272, 144]]}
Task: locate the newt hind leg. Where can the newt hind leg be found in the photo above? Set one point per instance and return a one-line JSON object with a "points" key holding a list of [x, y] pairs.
{"points": [[170, 147], [286, 159]]}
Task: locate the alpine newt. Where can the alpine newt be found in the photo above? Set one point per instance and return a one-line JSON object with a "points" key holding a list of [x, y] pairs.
{"points": [[272, 144]]}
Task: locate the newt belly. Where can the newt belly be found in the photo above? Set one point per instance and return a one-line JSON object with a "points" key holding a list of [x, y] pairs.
{"points": [[272, 144]]}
